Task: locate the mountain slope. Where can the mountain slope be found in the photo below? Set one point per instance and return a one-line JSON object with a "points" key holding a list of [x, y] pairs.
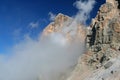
{"points": [[102, 59]]}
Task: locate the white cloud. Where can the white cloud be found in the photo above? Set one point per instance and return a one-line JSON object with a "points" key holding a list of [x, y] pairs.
{"points": [[34, 25], [34, 58], [84, 7], [52, 16], [83, 14]]}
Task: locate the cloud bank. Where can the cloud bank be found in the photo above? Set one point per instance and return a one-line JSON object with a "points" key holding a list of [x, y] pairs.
{"points": [[33, 25], [48, 59]]}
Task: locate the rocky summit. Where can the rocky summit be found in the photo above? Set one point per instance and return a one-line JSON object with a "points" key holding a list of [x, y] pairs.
{"points": [[67, 27]]}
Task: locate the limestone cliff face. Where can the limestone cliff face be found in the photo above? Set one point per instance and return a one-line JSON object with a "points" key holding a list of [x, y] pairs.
{"points": [[102, 59], [67, 27], [105, 34]]}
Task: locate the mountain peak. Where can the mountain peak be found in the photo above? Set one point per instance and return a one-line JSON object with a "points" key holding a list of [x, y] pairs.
{"points": [[63, 24], [60, 18], [61, 15]]}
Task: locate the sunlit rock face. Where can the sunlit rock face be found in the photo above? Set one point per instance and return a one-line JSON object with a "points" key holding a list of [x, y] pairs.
{"points": [[102, 58], [67, 27]]}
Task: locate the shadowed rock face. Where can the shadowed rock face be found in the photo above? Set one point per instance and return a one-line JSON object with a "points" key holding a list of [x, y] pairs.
{"points": [[118, 4], [105, 34], [105, 28]]}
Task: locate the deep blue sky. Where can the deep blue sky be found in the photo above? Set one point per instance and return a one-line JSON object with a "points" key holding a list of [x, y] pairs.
{"points": [[16, 15]]}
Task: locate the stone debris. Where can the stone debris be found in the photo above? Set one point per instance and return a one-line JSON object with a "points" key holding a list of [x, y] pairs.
{"points": [[107, 65]]}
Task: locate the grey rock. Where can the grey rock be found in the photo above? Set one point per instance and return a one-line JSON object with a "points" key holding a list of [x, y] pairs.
{"points": [[107, 65]]}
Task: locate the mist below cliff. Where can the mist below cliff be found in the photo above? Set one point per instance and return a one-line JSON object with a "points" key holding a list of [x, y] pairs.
{"points": [[34, 59]]}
